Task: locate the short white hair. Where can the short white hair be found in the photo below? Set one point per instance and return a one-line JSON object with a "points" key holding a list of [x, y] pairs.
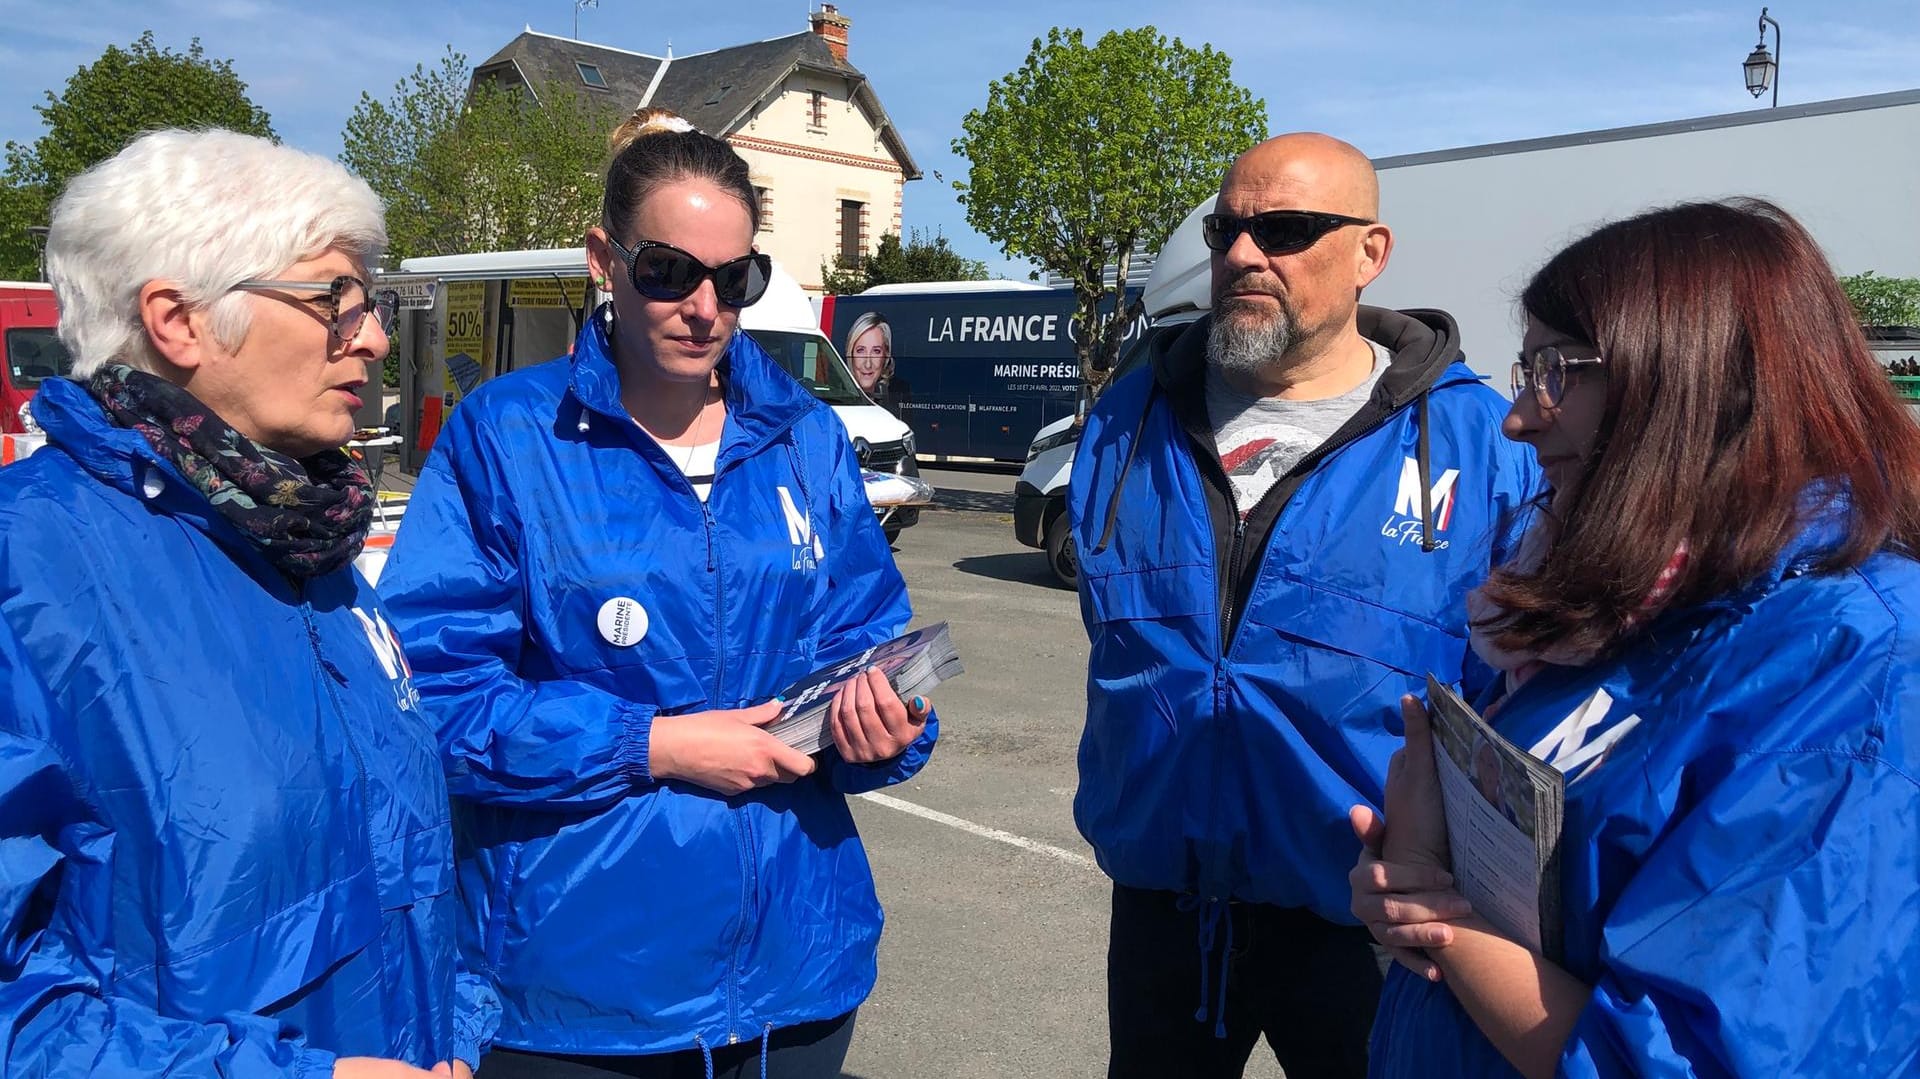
{"points": [[205, 210]]}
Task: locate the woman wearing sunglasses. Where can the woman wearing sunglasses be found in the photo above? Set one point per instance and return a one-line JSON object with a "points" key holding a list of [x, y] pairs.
{"points": [[227, 844], [609, 567], [1714, 634]]}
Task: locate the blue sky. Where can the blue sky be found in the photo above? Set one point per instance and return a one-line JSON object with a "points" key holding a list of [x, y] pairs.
{"points": [[1392, 76]]}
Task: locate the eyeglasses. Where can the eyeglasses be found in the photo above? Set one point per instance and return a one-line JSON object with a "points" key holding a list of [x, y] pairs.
{"points": [[664, 272], [348, 302], [1545, 373], [1275, 232]]}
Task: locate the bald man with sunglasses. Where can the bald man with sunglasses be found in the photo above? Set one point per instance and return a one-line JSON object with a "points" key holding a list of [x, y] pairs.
{"points": [[1278, 520]]}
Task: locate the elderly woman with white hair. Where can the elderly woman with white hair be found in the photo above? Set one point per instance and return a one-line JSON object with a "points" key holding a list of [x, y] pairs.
{"points": [[225, 845]]}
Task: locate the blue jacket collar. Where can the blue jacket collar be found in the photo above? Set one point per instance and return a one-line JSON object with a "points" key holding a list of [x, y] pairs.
{"points": [[76, 423], [763, 401], [1825, 515], [122, 459]]}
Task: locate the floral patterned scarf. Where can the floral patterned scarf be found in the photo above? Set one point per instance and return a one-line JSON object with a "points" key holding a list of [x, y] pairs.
{"points": [[310, 517]]}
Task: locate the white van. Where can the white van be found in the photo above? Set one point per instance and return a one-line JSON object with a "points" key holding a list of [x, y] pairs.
{"points": [[1178, 291], [492, 312]]}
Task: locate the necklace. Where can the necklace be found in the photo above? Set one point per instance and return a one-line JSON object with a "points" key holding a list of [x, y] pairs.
{"points": [[693, 446], [686, 466]]}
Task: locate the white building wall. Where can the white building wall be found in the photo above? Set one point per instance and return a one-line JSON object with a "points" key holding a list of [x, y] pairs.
{"points": [[1470, 231], [809, 169]]}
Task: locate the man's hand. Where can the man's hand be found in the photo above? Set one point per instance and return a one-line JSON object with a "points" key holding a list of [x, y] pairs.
{"points": [[725, 750], [379, 1068], [453, 1069], [869, 721]]}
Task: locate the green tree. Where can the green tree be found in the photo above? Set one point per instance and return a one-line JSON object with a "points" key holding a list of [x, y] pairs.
{"points": [[1883, 301], [103, 107], [1085, 151], [919, 259], [466, 166]]}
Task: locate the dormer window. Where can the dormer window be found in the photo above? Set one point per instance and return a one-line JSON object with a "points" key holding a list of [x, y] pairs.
{"points": [[722, 92], [590, 75]]}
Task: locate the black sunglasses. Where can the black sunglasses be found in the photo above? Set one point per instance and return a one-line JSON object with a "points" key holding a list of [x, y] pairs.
{"points": [[664, 272], [1275, 232]]}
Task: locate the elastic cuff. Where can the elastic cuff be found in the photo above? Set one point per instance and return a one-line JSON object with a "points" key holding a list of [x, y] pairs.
{"points": [[314, 1064], [632, 747], [466, 1043]]}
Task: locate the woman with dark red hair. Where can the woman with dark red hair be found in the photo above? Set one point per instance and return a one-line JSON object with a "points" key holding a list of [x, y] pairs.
{"points": [[1713, 632]]}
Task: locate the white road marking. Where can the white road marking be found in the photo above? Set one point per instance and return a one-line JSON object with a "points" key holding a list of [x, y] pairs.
{"points": [[982, 830]]}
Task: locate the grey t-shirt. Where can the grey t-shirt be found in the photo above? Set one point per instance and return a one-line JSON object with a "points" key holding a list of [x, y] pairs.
{"points": [[1261, 438]]}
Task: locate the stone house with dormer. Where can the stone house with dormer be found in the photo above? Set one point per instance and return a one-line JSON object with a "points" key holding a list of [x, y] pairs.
{"points": [[827, 164]]}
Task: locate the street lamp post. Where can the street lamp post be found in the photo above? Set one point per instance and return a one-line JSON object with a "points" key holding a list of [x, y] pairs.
{"points": [[1763, 67], [39, 234]]}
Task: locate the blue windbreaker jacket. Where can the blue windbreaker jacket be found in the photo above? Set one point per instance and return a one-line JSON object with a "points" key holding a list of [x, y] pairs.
{"points": [[1233, 717], [1740, 860], [616, 913], [225, 846]]}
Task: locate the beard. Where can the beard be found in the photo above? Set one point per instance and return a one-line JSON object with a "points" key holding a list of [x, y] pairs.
{"points": [[1248, 337]]}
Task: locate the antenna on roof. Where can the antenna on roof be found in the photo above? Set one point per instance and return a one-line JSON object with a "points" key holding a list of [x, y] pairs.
{"points": [[577, 5]]}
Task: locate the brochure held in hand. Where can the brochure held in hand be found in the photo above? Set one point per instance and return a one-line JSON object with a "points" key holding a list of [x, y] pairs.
{"points": [[1504, 811], [913, 662]]}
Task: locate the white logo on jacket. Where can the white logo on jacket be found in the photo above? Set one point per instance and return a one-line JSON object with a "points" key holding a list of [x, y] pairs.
{"points": [[1405, 525], [807, 549], [393, 659], [1573, 747]]}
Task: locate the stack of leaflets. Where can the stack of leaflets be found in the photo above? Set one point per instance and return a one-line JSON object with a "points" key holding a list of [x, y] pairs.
{"points": [[915, 663], [1504, 810]]}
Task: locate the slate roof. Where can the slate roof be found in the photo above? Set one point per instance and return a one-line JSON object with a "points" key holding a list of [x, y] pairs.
{"points": [[714, 90]]}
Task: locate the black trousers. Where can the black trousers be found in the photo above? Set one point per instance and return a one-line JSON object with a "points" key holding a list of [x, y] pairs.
{"points": [[805, 1051], [1310, 985]]}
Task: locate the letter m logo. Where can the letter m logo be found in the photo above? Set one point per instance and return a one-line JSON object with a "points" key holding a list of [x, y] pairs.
{"points": [[799, 528], [386, 646], [1407, 501]]}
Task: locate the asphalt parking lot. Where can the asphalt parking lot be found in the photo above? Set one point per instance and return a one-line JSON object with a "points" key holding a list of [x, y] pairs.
{"points": [[993, 960]]}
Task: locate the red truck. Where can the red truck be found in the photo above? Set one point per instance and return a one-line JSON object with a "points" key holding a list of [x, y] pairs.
{"points": [[30, 351]]}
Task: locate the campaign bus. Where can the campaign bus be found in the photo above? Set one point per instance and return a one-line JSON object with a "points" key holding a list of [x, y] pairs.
{"points": [[973, 367]]}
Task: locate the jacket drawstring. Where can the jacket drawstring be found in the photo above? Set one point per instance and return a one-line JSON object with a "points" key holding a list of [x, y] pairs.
{"points": [[797, 458], [1211, 913], [706, 1051], [1426, 476], [1113, 505]]}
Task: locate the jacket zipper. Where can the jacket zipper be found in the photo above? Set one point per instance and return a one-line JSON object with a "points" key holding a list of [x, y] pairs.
{"points": [[1208, 463], [748, 878], [742, 828], [346, 728], [1232, 571], [742, 838]]}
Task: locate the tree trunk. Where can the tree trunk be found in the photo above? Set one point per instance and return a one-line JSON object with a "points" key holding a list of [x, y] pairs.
{"points": [[1087, 337]]}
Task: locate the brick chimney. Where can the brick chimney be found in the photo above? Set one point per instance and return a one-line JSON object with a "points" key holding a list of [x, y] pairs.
{"points": [[832, 28]]}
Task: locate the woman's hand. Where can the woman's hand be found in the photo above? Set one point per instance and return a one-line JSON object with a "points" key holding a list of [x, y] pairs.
{"points": [[1413, 802], [381, 1068], [869, 721], [1402, 891], [1405, 906], [725, 750]]}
